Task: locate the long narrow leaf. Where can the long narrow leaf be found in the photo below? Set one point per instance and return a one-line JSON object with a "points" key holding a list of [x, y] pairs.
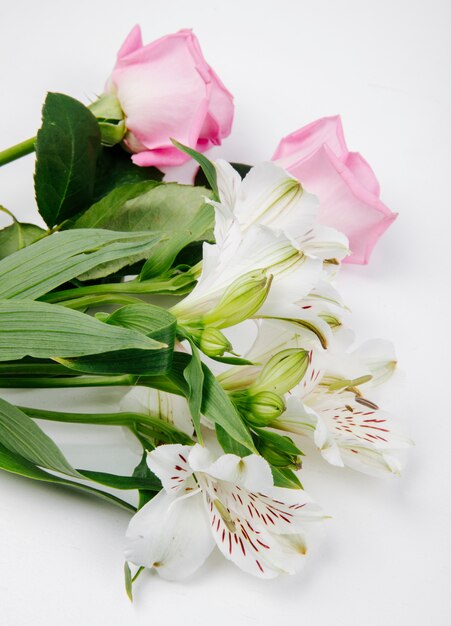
{"points": [[37, 269], [15, 464], [42, 330], [20, 434], [153, 322]]}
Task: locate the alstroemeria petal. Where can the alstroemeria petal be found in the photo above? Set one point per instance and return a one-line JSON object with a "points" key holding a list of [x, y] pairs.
{"points": [[170, 463], [228, 181], [167, 406], [269, 195], [171, 535], [301, 420], [325, 243], [369, 461], [378, 355], [258, 533], [290, 285], [249, 472]]}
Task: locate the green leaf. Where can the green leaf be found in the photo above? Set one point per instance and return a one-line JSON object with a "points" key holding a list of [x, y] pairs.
{"points": [[178, 212], [216, 405], [42, 330], [229, 445], [150, 482], [17, 236], [128, 581], [201, 180], [282, 443], [67, 148], [194, 376], [284, 477], [142, 471], [20, 434], [153, 322], [232, 360], [16, 464], [34, 271], [139, 423], [115, 168], [207, 166]]}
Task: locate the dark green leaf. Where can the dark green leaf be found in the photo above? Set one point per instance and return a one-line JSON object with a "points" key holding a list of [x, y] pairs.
{"points": [[177, 212], [16, 464], [153, 322], [282, 443], [229, 445], [194, 376], [285, 478], [201, 179], [207, 166], [18, 236], [142, 471], [41, 330], [20, 434], [67, 148], [116, 168], [150, 482], [34, 271], [216, 405]]}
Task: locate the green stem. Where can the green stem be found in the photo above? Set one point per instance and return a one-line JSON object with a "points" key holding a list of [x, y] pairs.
{"points": [[132, 286], [35, 369], [154, 426], [76, 381], [87, 301], [141, 569], [17, 151]]}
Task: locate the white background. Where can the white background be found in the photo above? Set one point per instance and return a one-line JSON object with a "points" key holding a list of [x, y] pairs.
{"points": [[385, 67]]}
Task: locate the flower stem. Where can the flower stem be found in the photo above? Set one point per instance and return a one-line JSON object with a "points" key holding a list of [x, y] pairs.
{"points": [[133, 286], [17, 151], [153, 426], [11, 382]]}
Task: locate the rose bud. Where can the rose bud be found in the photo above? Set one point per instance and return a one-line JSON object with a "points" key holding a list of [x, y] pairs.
{"points": [[167, 90], [345, 184]]}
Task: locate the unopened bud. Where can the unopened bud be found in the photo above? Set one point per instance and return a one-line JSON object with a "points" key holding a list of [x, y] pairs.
{"points": [[111, 119], [240, 300], [282, 372], [265, 407], [212, 342]]}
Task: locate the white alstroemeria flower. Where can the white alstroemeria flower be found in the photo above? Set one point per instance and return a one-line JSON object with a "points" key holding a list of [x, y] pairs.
{"points": [[372, 363], [270, 196], [273, 336], [347, 428], [166, 406], [227, 501], [237, 256], [265, 223], [347, 432]]}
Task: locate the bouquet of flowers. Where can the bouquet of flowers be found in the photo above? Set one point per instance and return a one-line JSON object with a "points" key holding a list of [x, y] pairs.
{"points": [[254, 357]]}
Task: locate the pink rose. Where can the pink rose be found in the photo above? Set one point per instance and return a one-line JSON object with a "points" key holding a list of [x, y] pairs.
{"points": [[347, 188], [167, 89]]}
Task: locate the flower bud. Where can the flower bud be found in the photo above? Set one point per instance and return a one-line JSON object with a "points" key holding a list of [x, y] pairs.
{"points": [[282, 372], [278, 457], [240, 300], [265, 407], [212, 342], [110, 118]]}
